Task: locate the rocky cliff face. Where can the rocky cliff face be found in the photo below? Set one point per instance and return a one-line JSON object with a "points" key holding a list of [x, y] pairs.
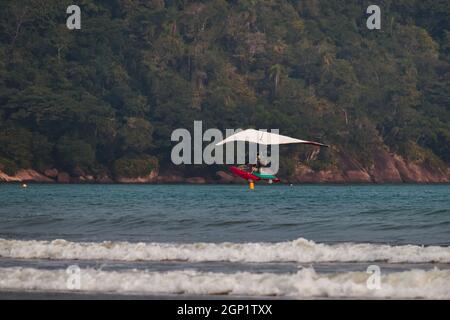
{"points": [[387, 168], [150, 178], [24, 176]]}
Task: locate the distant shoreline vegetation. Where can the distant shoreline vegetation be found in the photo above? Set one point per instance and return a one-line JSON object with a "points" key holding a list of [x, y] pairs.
{"points": [[99, 104]]}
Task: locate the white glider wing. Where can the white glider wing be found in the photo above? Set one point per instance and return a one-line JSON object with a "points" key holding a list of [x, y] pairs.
{"points": [[266, 138]]}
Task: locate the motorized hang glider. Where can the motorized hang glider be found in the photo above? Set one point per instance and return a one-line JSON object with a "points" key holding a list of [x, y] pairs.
{"points": [[264, 138]]}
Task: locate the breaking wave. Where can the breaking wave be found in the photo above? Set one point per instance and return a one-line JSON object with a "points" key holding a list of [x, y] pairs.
{"points": [[306, 283], [300, 250]]}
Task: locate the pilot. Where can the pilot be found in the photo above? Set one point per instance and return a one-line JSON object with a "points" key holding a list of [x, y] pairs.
{"points": [[260, 163]]}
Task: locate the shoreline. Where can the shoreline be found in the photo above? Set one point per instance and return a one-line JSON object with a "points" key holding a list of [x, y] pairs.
{"points": [[303, 176], [80, 295], [43, 295], [243, 183]]}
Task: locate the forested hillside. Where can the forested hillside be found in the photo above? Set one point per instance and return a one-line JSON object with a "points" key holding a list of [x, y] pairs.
{"points": [[105, 99]]}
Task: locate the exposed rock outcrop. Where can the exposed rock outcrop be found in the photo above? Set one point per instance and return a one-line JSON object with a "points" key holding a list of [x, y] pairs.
{"points": [[170, 178], [225, 177], [51, 173], [103, 178], [386, 168], [305, 174], [6, 178], [412, 172], [82, 179], [25, 175], [78, 172], [196, 180], [63, 177], [32, 175], [357, 176], [151, 178]]}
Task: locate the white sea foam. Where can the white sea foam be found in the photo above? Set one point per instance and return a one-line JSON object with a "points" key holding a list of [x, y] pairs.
{"points": [[300, 250], [305, 283]]}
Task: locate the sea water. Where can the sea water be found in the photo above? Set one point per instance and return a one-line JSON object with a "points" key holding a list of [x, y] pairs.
{"points": [[305, 241]]}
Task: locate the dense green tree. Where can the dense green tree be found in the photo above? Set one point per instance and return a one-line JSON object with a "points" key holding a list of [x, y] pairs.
{"points": [[107, 97], [74, 153], [132, 167]]}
